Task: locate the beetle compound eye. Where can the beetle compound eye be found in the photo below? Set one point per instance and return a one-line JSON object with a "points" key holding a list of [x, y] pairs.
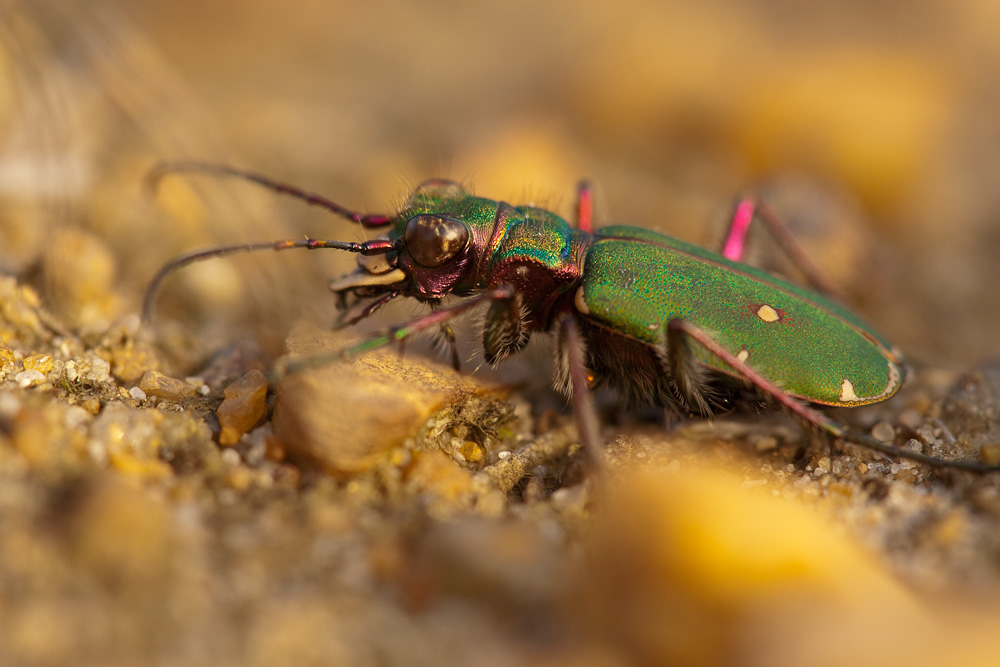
{"points": [[432, 240]]}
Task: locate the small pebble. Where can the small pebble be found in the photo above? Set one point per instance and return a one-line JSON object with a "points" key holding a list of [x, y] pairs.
{"points": [[38, 362], [27, 379], [765, 443], [136, 392], [163, 386], [244, 405], [910, 418], [231, 457], [884, 432], [990, 453], [472, 452], [95, 369]]}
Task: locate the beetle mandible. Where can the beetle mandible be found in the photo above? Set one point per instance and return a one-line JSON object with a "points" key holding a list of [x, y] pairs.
{"points": [[660, 320]]}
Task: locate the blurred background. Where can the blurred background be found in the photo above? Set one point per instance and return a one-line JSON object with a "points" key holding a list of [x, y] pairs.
{"points": [[873, 128]]}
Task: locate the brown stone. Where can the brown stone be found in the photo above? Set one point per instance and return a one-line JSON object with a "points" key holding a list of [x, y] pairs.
{"points": [[348, 414], [244, 405]]}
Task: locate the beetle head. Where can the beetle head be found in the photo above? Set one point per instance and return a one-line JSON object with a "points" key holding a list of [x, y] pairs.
{"points": [[430, 252]]}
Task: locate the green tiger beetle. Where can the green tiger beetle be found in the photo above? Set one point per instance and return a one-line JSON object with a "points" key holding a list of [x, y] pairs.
{"points": [[660, 320]]}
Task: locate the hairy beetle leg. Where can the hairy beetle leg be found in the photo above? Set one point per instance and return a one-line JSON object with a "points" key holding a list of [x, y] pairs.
{"points": [[806, 413], [449, 338], [584, 409]]}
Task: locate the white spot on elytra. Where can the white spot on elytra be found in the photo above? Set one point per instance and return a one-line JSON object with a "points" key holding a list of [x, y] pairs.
{"points": [[892, 382], [847, 394], [521, 271], [743, 354], [894, 377], [767, 313], [580, 301]]}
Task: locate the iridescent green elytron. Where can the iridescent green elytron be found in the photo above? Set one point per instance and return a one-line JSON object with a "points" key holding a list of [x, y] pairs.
{"points": [[811, 347]]}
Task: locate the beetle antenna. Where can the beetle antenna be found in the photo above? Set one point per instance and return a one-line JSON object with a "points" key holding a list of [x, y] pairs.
{"points": [[157, 173], [374, 247]]}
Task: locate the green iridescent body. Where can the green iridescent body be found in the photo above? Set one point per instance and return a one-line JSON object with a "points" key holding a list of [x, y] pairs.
{"points": [[625, 284]]}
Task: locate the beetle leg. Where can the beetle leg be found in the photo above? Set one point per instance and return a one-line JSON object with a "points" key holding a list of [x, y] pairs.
{"points": [[735, 244], [683, 328], [687, 378], [364, 314], [449, 338], [506, 328], [398, 333], [812, 416], [571, 364], [585, 207], [736, 236]]}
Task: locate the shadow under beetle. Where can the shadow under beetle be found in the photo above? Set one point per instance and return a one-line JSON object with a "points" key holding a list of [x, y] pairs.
{"points": [[660, 320]]}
